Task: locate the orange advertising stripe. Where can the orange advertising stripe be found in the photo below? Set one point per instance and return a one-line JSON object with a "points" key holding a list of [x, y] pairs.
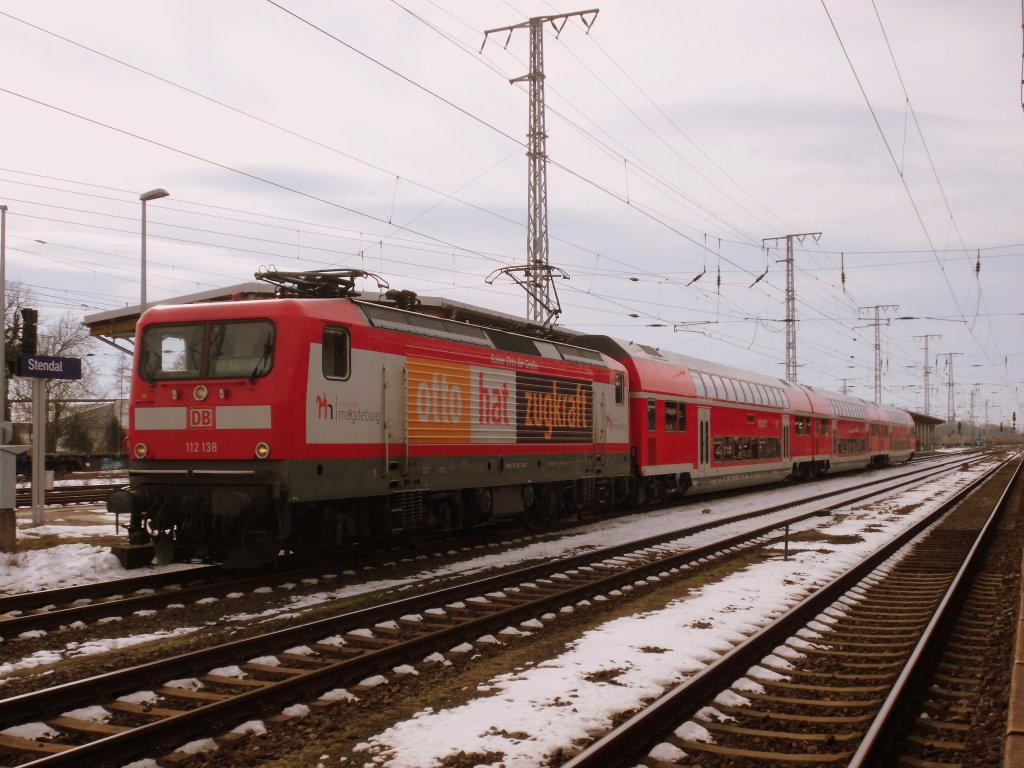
{"points": [[439, 401]]}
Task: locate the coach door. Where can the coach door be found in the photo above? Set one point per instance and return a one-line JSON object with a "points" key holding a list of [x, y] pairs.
{"points": [[703, 440], [785, 438]]}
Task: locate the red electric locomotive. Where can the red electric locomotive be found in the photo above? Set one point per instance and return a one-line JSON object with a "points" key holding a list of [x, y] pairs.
{"points": [[304, 423]]}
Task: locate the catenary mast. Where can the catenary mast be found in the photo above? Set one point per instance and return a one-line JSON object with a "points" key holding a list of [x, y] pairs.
{"points": [[791, 299], [541, 301]]}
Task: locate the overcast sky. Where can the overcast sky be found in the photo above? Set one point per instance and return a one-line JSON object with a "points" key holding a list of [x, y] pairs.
{"points": [[373, 134]]}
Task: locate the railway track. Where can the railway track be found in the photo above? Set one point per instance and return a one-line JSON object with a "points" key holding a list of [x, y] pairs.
{"points": [[951, 711], [69, 494], [97, 494], [824, 684], [52, 608], [233, 680]]}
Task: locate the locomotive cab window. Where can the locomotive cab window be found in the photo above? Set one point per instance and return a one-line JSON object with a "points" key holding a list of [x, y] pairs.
{"points": [[336, 353], [242, 349], [172, 352], [620, 389], [218, 350]]}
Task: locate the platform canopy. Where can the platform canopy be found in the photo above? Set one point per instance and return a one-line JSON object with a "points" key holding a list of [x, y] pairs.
{"points": [[117, 326]]}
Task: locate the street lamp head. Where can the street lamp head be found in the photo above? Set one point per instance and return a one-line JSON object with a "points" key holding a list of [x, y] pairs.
{"points": [[153, 194]]}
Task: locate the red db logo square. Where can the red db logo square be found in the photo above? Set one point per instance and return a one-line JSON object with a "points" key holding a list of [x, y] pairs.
{"points": [[200, 418]]}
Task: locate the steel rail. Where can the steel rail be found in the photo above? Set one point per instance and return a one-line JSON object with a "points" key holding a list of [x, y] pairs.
{"points": [[24, 601], [68, 494]]}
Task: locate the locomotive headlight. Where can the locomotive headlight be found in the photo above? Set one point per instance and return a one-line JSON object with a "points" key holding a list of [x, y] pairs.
{"points": [[200, 392], [140, 451], [262, 450]]}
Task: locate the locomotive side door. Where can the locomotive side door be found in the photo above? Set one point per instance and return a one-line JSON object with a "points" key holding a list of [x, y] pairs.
{"points": [[703, 440], [395, 422], [600, 423]]}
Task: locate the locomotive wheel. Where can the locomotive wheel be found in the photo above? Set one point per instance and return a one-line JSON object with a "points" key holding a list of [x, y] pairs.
{"points": [[315, 537], [533, 507], [257, 545], [545, 507]]}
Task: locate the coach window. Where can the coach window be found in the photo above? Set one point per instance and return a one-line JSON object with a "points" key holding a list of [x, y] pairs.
{"points": [[733, 390], [671, 420], [709, 386], [620, 389], [719, 386], [652, 415], [336, 353], [698, 384]]}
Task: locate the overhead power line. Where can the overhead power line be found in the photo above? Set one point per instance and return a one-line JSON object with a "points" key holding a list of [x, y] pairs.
{"points": [[223, 166]]}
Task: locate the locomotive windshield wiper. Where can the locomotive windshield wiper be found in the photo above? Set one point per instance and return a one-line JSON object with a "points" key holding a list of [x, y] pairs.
{"points": [[146, 368], [267, 347]]}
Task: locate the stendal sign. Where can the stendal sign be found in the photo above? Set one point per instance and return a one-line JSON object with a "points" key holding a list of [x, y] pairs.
{"points": [[44, 367]]}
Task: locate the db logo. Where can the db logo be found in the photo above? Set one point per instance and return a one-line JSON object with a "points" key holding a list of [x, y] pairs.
{"points": [[200, 418]]}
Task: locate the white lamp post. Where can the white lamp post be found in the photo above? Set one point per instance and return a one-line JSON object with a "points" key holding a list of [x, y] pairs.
{"points": [[153, 194], [5, 438]]}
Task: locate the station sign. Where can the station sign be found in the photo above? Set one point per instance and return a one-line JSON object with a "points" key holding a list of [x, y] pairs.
{"points": [[46, 367]]}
